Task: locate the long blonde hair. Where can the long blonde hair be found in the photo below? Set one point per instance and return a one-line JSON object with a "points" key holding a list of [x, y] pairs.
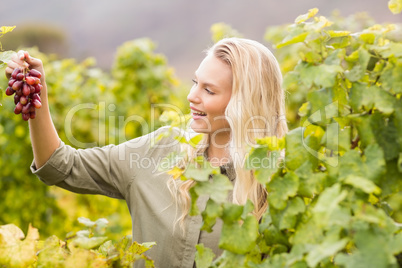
{"points": [[256, 109]]}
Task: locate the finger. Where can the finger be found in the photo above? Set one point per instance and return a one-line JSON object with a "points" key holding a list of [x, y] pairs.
{"points": [[17, 58], [31, 60], [12, 64], [21, 55]]}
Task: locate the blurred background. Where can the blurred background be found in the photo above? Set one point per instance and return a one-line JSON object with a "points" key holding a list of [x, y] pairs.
{"points": [[89, 56], [180, 28]]}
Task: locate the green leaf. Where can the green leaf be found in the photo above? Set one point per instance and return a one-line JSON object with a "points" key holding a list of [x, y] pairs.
{"points": [[212, 211], [229, 259], [287, 218], [296, 152], [302, 18], [308, 232], [375, 165], [386, 135], [195, 140], [204, 256], [15, 252], [6, 56], [361, 96], [194, 210], [200, 174], [6, 29], [296, 39], [85, 221], [363, 125], [264, 162], [281, 188], [89, 243], [304, 109], [53, 254], [232, 212], [367, 37], [389, 50], [392, 183], [239, 238], [359, 70], [326, 249], [322, 75], [391, 77], [138, 249], [395, 6], [310, 183], [366, 98], [325, 75], [363, 184], [367, 213], [306, 73], [334, 34], [372, 251], [217, 188], [328, 203]]}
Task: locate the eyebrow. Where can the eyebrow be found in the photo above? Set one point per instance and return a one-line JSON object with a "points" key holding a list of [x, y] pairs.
{"points": [[207, 84]]}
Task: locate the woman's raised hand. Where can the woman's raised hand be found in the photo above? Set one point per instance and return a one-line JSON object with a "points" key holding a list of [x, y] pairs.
{"points": [[44, 137], [23, 60]]}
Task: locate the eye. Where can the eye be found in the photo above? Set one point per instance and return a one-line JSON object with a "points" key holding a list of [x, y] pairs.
{"points": [[206, 89], [209, 92]]}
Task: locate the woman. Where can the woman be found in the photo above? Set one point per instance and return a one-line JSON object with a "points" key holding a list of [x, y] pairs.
{"points": [[236, 97]]}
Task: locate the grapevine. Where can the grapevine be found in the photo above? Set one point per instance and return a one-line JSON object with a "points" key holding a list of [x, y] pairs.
{"points": [[26, 87]]}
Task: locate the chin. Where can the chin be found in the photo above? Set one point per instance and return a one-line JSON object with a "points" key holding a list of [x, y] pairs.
{"points": [[198, 128]]}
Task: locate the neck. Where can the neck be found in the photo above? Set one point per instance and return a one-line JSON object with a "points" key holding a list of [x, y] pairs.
{"points": [[218, 153]]}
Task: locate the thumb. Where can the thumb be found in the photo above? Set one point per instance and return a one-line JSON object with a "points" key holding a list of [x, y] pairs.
{"points": [[32, 62], [28, 58]]}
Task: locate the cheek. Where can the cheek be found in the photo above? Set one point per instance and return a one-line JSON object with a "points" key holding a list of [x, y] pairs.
{"points": [[217, 107]]}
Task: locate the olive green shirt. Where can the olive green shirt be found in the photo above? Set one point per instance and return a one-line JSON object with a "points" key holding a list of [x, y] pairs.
{"points": [[130, 171]]}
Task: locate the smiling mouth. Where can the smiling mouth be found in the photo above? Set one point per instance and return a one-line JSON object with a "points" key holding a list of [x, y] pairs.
{"points": [[198, 113]]}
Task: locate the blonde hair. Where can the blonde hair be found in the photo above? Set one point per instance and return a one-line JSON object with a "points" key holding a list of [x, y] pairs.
{"points": [[256, 109]]}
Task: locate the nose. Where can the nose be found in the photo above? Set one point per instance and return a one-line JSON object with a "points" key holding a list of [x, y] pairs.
{"points": [[193, 95]]}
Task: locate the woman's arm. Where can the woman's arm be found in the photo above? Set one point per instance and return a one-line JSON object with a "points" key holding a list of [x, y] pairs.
{"points": [[44, 137]]}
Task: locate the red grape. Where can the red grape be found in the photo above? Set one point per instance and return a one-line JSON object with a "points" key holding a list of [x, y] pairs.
{"points": [[9, 91], [37, 87], [23, 100], [20, 76], [26, 116], [35, 73], [36, 97], [16, 99], [11, 82], [27, 88], [17, 85], [32, 115], [15, 72], [18, 108], [30, 80], [26, 108], [37, 104]]}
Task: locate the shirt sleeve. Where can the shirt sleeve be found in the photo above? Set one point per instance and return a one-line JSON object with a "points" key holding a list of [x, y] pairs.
{"points": [[105, 170]]}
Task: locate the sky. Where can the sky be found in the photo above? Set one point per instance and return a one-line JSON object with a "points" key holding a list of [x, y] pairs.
{"points": [[180, 28]]}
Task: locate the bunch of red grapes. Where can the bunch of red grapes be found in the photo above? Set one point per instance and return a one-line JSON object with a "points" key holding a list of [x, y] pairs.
{"points": [[26, 86]]}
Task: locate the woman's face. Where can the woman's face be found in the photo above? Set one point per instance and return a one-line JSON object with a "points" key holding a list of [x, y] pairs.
{"points": [[210, 95]]}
